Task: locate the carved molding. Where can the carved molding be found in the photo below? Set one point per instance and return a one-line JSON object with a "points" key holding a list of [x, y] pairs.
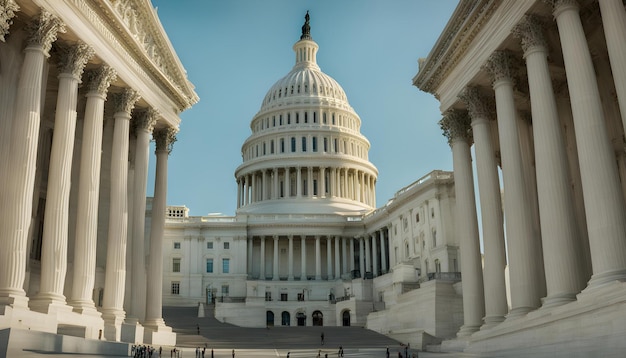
{"points": [[500, 66], [530, 33], [165, 138], [100, 79], [73, 58], [146, 120], [43, 30], [8, 8], [456, 125], [478, 105], [125, 101]]}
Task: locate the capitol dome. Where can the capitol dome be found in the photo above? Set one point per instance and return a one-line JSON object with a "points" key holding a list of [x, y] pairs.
{"points": [[306, 153]]}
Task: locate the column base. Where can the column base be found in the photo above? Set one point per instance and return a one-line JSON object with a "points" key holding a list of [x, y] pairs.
{"points": [[157, 333], [557, 300], [113, 319], [518, 312], [85, 307], [132, 333], [467, 330], [491, 321], [604, 278], [49, 303], [13, 298]]}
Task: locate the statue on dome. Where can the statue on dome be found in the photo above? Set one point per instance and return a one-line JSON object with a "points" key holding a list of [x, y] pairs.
{"points": [[306, 28]]}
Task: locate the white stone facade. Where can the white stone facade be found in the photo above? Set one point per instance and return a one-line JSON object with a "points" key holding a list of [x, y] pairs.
{"points": [[74, 165], [538, 87]]}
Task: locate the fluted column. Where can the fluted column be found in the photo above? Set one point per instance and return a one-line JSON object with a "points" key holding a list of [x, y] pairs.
{"points": [[298, 182], [456, 127], [303, 258], [264, 190], [84, 271], [275, 265], [351, 256], [55, 228], [250, 247], [344, 255], [17, 196], [561, 249], [290, 275], [262, 260], [383, 252], [614, 22], [494, 261], [112, 307], [144, 125], [329, 258], [374, 255], [362, 256], [164, 138], [318, 258], [287, 181], [246, 190], [337, 258], [238, 193], [368, 252], [322, 184], [276, 192], [524, 271]]}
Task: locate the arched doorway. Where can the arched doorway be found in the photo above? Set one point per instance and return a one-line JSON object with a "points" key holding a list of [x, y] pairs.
{"points": [[345, 318], [318, 318], [269, 319], [285, 318], [301, 318]]}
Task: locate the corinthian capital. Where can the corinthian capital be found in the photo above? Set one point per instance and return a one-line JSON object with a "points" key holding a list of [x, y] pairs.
{"points": [[500, 66], [8, 8], [478, 105], [125, 101], [73, 58], [456, 126], [146, 120], [530, 32], [100, 79], [165, 138], [557, 3], [43, 30]]}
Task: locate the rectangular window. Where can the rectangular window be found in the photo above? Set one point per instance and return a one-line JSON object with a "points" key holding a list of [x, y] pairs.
{"points": [[272, 146], [304, 144], [175, 288], [315, 187], [314, 117], [209, 245], [324, 117], [226, 245], [264, 148], [268, 296], [314, 144], [288, 118], [336, 146], [175, 265], [325, 145], [293, 144], [297, 118], [283, 297], [225, 265], [225, 290], [209, 265], [306, 117], [177, 245], [280, 120], [274, 121], [282, 145]]}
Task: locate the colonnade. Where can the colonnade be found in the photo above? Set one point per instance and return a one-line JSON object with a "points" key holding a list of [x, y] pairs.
{"points": [[343, 256], [21, 166], [551, 260], [271, 184]]}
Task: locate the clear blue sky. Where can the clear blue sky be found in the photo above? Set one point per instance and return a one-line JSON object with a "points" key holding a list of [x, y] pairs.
{"points": [[234, 51]]}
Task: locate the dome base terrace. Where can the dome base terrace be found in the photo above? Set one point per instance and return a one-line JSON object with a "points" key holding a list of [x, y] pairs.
{"points": [[305, 205]]}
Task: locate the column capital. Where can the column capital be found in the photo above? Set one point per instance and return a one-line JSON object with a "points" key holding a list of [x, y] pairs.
{"points": [[530, 32], [73, 58], [500, 66], [456, 126], [8, 8], [125, 101], [99, 80], [43, 29], [165, 138], [146, 120], [557, 3], [479, 106]]}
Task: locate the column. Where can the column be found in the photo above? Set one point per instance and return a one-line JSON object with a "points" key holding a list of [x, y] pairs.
{"points": [[604, 204], [351, 258], [276, 193], [383, 252], [303, 258], [264, 190], [88, 191], [309, 174], [374, 255], [299, 182], [456, 127], [524, 271], [275, 265], [494, 260], [337, 259], [344, 255], [250, 247], [72, 60], [246, 189], [262, 260], [329, 258], [561, 249], [290, 277], [318, 258], [362, 256], [144, 125], [17, 197], [115, 279], [238, 193], [164, 138], [614, 22], [322, 183]]}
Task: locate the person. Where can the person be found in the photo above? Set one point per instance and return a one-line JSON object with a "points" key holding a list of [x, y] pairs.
{"points": [[406, 351], [233, 353], [340, 353], [288, 354], [160, 351], [387, 354], [198, 328], [319, 353], [212, 353], [322, 338]]}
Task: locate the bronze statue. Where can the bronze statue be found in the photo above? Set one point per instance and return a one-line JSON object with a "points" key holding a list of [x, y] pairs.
{"points": [[306, 28]]}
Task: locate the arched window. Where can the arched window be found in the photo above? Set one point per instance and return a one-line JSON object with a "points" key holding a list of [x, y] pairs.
{"points": [[285, 318], [437, 265], [301, 318], [318, 318], [345, 318], [269, 318]]}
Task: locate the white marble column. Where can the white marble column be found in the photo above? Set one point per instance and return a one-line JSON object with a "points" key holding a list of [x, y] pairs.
{"points": [[262, 259], [561, 249], [375, 254], [614, 22], [72, 60], [457, 128], [309, 175], [318, 258], [351, 256], [383, 252], [604, 204], [329, 258], [164, 139], [494, 260], [250, 244], [275, 264], [298, 182], [17, 197], [337, 258], [344, 255], [246, 190], [290, 277], [275, 181], [303, 258], [322, 183], [368, 252], [263, 193], [238, 193], [525, 272], [84, 271], [144, 125], [362, 256], [287, 181], [115, 279]]}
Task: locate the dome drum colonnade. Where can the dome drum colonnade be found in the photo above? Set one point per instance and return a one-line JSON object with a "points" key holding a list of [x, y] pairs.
{"points": [[552, 261], [25, 110]]}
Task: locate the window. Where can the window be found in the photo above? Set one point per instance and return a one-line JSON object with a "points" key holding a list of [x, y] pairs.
{"points": [[282, 145], [226, 245], [209, 265], [280, 120], [314, 144], [432, 212], [264, 148], [336, 146], [417, 217], [298, 115], [325, 144], [283, 297], [434, 237], [177, 245], [289, 114], [293, 144], [437, 265], [272, 146], [175, 288], [268, 296], [304, 144], [225, 290], [209, 245], [306, 117], [225, 265], [175, 265]]}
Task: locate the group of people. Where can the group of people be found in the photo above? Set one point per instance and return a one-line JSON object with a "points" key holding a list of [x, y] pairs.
{"points": [[407, 353], [143, 351], [200, 352]]}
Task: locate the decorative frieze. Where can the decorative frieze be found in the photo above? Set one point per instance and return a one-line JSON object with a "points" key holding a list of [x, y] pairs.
{"points": [[501, 66], [125, 101], [100, 79], [73, 58], [165, 138], [530, 32], [455, 125], [8, 8], [478, 105], [43, 29]]}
